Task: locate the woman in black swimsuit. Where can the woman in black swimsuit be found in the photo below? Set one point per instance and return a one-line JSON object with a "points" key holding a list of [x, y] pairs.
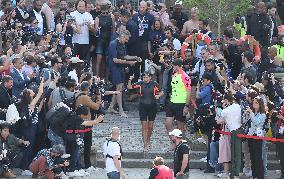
{"points": [[149, 93]]}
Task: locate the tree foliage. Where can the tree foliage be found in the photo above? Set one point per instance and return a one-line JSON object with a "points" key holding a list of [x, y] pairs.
{"points": [[219, 12]]}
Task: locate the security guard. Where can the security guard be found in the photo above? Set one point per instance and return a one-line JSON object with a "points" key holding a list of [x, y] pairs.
{"points": [[113, 155], [280, 45]]}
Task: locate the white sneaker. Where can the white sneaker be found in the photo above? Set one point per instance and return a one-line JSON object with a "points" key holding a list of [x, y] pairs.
{"points": [[248, 173], [204, 159], [27, 173], [201, 140], [76, 173], [84, 173], [223, 175]]}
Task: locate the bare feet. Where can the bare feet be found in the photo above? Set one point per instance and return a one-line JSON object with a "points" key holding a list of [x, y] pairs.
{"points": [[112, 111], [122, 114]]}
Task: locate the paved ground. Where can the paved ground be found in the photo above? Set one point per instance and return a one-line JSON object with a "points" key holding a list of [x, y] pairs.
{"points": [[135, 173]]}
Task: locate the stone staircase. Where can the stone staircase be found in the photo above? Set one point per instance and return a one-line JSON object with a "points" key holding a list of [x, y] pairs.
{"points": [[131, 142]]}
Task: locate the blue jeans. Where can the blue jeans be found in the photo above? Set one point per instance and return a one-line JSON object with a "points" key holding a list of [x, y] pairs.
{"points": [[113, 175], [264, 156], [54, 138], [214, 153]]}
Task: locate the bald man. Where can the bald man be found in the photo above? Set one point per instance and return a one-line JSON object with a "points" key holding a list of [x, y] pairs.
{"points": [[113, 155], [260, 25]]}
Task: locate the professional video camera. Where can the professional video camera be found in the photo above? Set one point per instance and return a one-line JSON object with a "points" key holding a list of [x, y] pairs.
{"points": [[70, 19], [205, 118], [97, 92]]}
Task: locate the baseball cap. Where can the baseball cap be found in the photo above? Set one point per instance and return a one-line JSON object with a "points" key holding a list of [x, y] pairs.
{"points": [[178, 2], [176, 133], [76, 60]]}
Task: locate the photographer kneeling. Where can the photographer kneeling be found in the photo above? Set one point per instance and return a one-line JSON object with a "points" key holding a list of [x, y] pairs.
{"points": [[75, 128]]}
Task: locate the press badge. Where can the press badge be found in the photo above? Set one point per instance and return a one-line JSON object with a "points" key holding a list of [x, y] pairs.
{"points": [[259, 132], [281, 130]]}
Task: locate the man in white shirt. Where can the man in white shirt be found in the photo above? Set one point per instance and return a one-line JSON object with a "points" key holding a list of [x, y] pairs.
{"points": [[113, 153], [233, 119], [40, 17], [170, 39], [49, 14], [84, 24]]}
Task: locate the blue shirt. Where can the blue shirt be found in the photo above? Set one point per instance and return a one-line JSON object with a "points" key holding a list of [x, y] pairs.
{"points": [[205, 94]]}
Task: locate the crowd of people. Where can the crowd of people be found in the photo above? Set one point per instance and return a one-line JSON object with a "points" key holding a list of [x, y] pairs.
{"points": [[64, 65]]}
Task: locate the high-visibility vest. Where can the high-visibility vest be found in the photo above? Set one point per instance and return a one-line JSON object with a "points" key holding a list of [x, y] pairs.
{"points": [[280, 51]]}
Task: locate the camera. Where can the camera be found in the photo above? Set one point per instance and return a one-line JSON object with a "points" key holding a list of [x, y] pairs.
{"points": [[70, 19]]}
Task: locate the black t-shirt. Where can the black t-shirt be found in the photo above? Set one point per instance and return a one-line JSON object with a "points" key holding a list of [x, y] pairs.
{"points": [[181, 149], [74, 123], [147, 91]]}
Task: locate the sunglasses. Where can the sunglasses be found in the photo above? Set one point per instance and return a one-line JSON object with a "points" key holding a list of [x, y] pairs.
{"points": [[104, 13]]}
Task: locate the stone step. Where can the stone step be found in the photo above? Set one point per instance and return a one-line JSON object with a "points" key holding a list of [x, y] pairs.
{"points": [[195, 155], [193, 164]]}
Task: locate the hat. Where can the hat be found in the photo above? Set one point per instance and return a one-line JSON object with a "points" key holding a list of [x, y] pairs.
{"points": [[259, 86], [176, 133], [178, 2], [178, 62], [76, 60], [60, 149]]}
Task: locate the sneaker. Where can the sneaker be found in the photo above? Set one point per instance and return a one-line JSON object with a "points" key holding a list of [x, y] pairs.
{"points": [[201, 140], [204, 159], [27, 173], [76, 173], [210, 170], [223, 175], [84, 173], [91, 169], [9, 174], [248, 173]]}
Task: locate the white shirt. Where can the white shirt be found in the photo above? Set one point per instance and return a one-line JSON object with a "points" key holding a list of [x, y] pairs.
{"points": [[1, 13], [73, 75], [112, 149], [232, 115], [82, 20], [40, 22], [199, 68], [176, 43], [52, 23]]}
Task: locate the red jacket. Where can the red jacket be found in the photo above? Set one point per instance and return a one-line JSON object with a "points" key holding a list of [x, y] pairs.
{"points": [[164, 172]]}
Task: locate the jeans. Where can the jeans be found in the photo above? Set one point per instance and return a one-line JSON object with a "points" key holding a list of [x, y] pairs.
{"points": [[113, 175], [236, 152], [264, 156], [54, 138], [74, 151], [185, 176], [214, 153]]}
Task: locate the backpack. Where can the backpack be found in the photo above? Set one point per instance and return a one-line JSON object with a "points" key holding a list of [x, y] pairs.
{"points": [[70, 102], [58, 114]]}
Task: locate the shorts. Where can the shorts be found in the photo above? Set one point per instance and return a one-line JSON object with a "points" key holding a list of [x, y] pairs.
{"points": [[102, 47], [176, 110], [147, 112]]}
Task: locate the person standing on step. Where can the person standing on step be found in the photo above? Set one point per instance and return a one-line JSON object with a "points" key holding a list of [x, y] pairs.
{"points": [[181, 155], [148, 104], [113, 155]]}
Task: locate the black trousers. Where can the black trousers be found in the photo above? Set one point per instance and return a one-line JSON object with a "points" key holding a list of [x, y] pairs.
{"points": [[255, 150], [82, 50], [87, 148]]}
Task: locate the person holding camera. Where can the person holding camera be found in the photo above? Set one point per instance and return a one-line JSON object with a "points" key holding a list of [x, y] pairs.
{"points": [[83, 98], [11, 155], [75, 128], [147, 106], [257, 117], [40, 17], [47, 161], [232, 116]]}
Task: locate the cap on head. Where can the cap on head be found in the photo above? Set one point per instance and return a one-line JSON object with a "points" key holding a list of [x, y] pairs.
{"points": [[176, 133], [177, 62]]}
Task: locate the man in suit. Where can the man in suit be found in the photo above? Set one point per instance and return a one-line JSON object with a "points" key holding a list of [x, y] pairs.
{"points": [[5, 95], [20, 80], [36, 12]]}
